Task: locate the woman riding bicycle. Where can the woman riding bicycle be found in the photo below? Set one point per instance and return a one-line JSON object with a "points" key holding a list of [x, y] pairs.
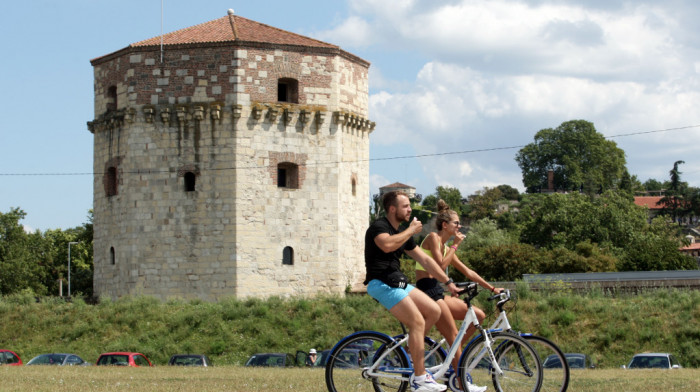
{"points": [[452, 308]]}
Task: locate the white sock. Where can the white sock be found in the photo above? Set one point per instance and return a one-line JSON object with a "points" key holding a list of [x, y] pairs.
{"points": [[420, 378]]}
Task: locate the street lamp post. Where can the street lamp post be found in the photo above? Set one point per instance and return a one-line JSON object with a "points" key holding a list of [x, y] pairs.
{"points": [[69, 244]]}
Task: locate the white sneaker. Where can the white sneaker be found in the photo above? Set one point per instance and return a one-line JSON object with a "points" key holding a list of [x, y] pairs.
{"points": [[473, 388], [427, 385]]}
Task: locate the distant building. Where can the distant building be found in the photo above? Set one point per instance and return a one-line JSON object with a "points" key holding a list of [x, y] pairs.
{"points": [[397, 186], [234, 162]]}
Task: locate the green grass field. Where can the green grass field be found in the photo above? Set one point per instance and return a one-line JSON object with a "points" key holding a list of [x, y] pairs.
{"points": [[235, 378]]}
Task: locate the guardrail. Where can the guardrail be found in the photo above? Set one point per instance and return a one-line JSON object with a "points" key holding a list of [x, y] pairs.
{"points": [[625, 281]]}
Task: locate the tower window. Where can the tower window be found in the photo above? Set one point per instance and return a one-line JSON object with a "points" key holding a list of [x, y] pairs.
{"points": [[190, 180], [354, 187], [112, 98], [288, 256], [111, 182], [288, 90], [112, 258], [287, 175]]}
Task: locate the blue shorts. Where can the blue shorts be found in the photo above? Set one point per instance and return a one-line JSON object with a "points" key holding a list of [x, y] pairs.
{"points": [[386, 295]]}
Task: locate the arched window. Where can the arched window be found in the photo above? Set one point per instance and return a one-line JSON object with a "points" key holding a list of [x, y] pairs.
{"points": [[288, 175], [354, 187], [288, 256], [190, 180], [112, 98], [111, 182], [288, 90], [112, 257]]}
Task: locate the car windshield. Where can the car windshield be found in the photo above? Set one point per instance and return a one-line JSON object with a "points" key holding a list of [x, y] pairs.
{"points": [[116, 359], [187, 360], [48, 359], [552, 361], [649, 362], [266, 360], [576, 362]]}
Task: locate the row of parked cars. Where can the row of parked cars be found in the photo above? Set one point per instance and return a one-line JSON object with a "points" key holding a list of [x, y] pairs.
{"points": [[8, 357]]}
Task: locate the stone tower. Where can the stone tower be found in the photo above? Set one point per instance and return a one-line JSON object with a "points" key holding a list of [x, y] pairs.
{"points": [[230, 160]]}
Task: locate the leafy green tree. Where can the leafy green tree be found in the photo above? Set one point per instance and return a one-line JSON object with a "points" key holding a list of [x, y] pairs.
{"points": [[580, 158], [484, 203], [653, 185], [450, 195], [430, 202], [19, 266], [508, 192], [655, 249], [484, 233]]}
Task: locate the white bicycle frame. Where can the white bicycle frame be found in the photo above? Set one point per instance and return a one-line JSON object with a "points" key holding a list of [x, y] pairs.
{"points": [[376, 370]]}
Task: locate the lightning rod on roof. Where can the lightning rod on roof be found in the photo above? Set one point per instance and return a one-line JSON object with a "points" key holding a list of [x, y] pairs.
{"points": [[161, 31]]}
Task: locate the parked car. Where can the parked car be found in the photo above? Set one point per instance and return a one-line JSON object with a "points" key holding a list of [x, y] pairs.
{"points": [[189, 360], [271, 359], [123, 359], [575, 361], [654, 360], [58, 359], [10, 358]]}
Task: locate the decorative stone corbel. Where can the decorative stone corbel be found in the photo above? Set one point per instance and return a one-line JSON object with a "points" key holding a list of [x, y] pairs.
{"points": [[304, 116], [215, 112], [320, 117], [165, 116], [181, 113], [257, 111], [129, 115], [272, 113], [288, 115], [198, 112], [340, 118], [149, 113], [237, 110]]}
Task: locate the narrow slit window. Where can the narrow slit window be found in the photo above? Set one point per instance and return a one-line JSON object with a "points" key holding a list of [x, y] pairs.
{"points": [[190, 181], [112, 98], [111, 182], [354, 187], [112, 257], [288, 256]]}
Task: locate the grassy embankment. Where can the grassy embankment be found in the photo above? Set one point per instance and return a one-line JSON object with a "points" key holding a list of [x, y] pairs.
{"points": [[610, 328]]}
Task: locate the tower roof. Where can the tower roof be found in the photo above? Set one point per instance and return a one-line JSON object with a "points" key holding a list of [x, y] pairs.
{"points": [[231, 29]]}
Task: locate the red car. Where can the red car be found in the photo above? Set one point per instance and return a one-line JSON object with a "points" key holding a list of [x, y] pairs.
{"points": [[8, 357], [123, 359]]}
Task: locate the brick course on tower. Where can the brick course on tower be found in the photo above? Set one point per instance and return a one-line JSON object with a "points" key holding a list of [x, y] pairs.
{"points": [[236, 166]]}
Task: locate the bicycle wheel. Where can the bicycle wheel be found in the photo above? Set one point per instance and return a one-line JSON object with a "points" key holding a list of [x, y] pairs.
{"points": [[555, 368], [520, 366], [355, 356]]}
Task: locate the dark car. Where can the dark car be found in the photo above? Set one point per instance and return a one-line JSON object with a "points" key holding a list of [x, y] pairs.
{"points": [[10, 358], [189, 360], [123, 359], [271, 359], [654, 361], [58, 359], [575, 361]]}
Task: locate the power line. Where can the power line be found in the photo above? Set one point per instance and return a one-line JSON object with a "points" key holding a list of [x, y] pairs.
{"points": [[155, 171]]}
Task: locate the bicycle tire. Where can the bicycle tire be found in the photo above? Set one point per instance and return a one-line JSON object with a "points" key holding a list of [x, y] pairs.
{"points": [[346, 368], [555, 379], [519, 362]]}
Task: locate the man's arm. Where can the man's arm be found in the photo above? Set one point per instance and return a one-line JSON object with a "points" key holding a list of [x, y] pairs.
{"points": [[389, 243]]}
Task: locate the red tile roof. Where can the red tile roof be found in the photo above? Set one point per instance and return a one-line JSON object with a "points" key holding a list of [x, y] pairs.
{"points": [[649, 202], [397, 185], [222, 30]]}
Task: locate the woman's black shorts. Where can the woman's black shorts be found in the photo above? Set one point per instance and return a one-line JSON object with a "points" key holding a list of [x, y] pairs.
{"points": [[432, 287]]}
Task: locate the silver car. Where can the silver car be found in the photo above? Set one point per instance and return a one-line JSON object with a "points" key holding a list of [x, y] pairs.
{"points": [[58, 359]]}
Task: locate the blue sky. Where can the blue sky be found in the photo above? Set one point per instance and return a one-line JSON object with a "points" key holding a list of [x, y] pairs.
{"points": [[477, 78]]}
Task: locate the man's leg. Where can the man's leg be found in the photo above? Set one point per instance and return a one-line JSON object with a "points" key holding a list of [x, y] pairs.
{"points": [[418, 313]]}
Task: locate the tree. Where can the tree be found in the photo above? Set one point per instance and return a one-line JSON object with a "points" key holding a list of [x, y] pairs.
{"points": [[653, 185], [19, 267], [579, 157], [673, 202], [450, 195], [484, 203]]}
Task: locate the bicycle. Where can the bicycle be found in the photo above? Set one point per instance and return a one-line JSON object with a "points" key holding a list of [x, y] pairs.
{"points": [[555, 379], [374, 361]]}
